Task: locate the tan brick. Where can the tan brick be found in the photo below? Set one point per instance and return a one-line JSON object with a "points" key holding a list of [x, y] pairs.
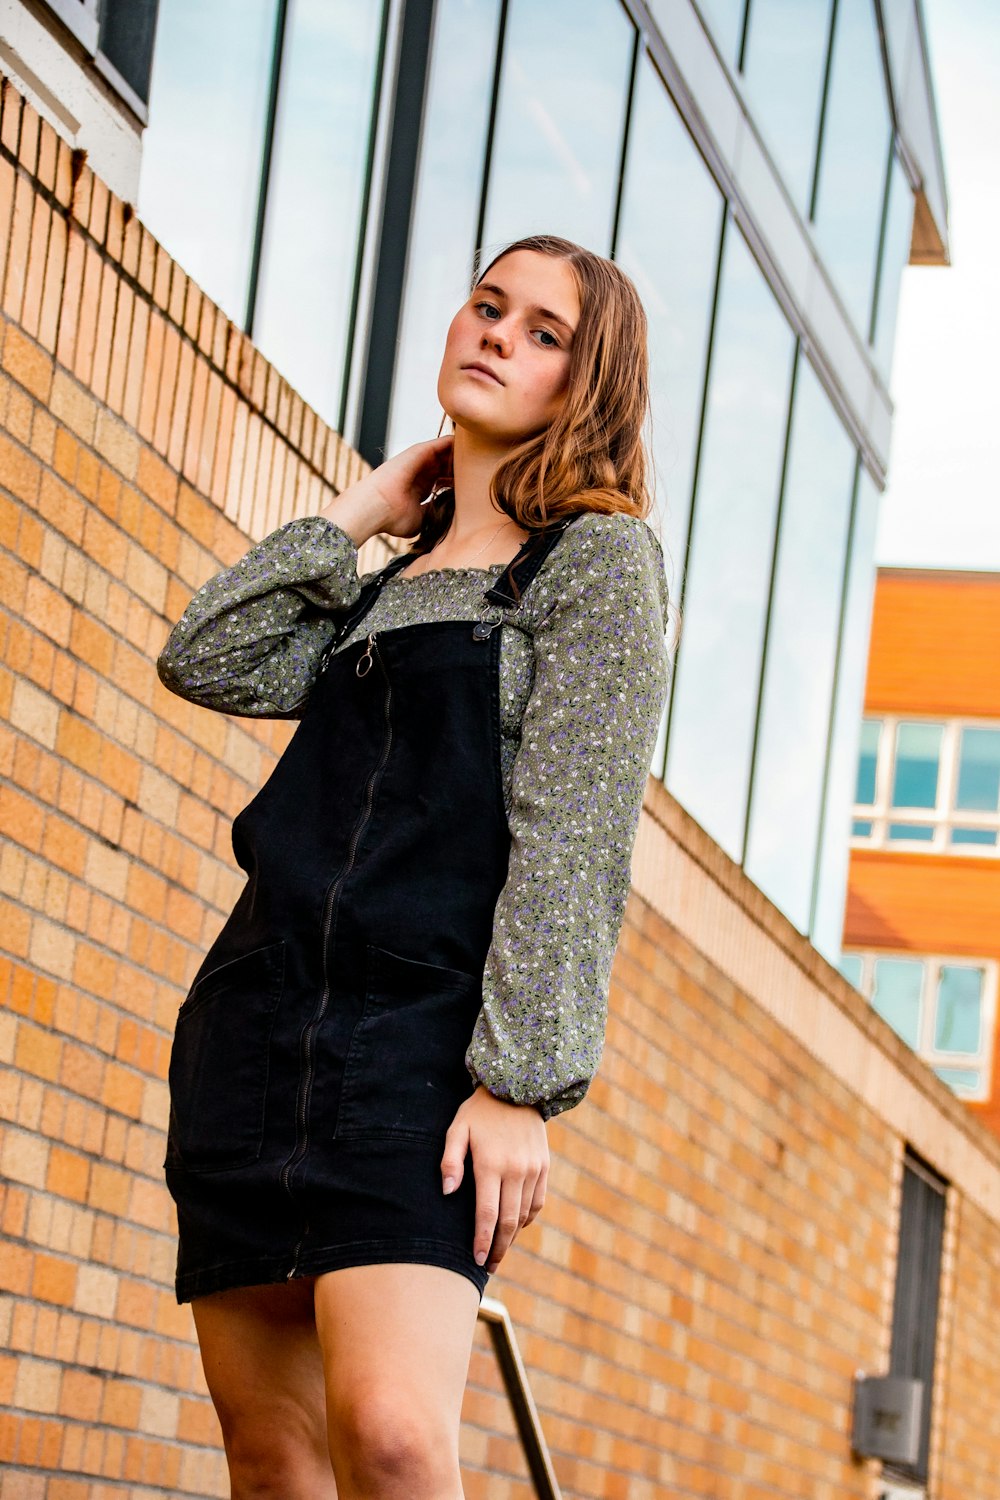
{"points": [[34, 713], [27, 364]]}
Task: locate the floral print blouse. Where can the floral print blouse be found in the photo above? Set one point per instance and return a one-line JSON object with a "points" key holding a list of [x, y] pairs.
{"points": [[583, 680]]}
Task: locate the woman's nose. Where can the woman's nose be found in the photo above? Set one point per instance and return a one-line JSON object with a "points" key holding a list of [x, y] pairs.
{"points": [[493, 337]]}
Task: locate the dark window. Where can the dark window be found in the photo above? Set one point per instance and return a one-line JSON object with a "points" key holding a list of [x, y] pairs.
{"points": [[918, 1280], [127, 31]]}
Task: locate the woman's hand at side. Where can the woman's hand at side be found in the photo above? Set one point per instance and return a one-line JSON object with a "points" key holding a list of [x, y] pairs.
{"points": [[388, 499], [510, 1159]]}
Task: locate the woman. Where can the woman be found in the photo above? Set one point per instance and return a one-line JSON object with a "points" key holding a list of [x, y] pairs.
{"points": [[414, 978]]}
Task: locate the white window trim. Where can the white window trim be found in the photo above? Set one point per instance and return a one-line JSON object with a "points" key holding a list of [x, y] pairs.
{"points": [[944, 816], [932, 963]]}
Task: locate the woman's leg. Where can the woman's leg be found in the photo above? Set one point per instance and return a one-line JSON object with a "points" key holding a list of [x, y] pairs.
{"points": [[264, 1370], [396, 1343]]}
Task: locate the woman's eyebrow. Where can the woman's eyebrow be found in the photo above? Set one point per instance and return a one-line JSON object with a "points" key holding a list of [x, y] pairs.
{"points": [[545, 312]]}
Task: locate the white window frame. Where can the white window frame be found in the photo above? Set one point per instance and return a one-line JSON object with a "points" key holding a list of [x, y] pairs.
{"points": [[944, 816], [932, 963]]}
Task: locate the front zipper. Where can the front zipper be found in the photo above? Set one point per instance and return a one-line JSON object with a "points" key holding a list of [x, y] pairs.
{"points": [[333, 892]]}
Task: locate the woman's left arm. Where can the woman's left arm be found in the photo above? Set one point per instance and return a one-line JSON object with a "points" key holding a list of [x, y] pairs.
{"points": [[588, 734]]}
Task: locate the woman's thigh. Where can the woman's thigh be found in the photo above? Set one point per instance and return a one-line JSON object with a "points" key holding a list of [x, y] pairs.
{"points": [[397, 1340], [264, 1369]]}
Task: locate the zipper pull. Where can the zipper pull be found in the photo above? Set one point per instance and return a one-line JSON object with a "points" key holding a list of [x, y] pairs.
{"points": [[361, 669]]}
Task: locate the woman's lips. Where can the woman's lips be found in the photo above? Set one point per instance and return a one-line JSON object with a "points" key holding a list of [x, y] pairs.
{"points": [[483, 374]]}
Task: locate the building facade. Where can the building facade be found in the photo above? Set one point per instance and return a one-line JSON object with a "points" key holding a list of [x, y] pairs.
{"points": [[922, 929]]}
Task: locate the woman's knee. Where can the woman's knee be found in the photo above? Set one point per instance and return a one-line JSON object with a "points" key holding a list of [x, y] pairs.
{"points": [[389, 1442], [277, 1454]]}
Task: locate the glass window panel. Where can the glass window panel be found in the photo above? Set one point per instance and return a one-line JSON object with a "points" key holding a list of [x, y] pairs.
{"points": [[973, 836], [557, 144], [801, 652], [962, 1080], [314, 202], [896, 995], [915, 770], [895, 257], [861, 828], [784, 64], [912, 833], [853, 157], [852, 967], [979, 770], [672, 258], [446, 213], [871, 731], [718, 663], [831, 889], [723, 18], [959, 1019], [201, 152]]}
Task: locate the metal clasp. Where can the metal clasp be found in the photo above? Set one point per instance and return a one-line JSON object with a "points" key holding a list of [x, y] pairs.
{"points": [[367, 657]]}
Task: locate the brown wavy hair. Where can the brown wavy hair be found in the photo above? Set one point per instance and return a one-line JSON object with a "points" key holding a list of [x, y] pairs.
{"points": [[592, 455]]}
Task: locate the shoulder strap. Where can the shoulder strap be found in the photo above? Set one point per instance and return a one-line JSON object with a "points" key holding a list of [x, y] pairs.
{"points": [[514, 582]]}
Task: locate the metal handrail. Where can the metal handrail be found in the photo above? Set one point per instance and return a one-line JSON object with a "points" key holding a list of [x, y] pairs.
{"points": [[515, 1379]]}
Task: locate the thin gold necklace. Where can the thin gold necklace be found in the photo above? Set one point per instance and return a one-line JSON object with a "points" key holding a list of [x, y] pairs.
{"points": [[507, 522]]}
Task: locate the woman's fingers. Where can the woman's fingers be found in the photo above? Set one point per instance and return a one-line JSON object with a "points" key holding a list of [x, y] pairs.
{"points": [[508, 1219], [487, 1210]]}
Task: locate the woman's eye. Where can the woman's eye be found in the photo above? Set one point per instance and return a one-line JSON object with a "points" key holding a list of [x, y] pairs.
{"points": [[488, 305], [555, 342]]}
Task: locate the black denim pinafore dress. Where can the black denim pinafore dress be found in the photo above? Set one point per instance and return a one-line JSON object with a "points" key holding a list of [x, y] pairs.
{"points": [[319, 1056]]}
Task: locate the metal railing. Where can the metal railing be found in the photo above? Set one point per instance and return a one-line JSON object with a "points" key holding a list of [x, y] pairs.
{"points": [[515, 1379]]}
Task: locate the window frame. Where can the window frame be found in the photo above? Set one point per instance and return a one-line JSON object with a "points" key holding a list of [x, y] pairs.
{"points": [[932, 963], [941, 819]]}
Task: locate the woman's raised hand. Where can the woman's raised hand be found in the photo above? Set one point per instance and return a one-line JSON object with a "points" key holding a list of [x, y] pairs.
{"points": [[510, 1160], [388, 498]]}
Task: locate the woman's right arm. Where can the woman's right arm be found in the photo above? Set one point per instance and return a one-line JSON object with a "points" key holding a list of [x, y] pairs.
{"points": [[251, 639]]}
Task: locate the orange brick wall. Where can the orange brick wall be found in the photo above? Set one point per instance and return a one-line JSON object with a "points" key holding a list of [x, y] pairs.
{"points": [[716, 1255]]}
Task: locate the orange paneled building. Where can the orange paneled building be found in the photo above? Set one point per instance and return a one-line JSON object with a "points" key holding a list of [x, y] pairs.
{"points": [[922, 925]]}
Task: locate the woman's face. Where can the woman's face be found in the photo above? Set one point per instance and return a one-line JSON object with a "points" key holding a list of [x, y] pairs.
{"points": [[518, 323]]}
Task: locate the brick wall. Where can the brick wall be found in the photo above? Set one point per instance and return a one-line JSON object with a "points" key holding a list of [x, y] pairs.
{"points": [[716, 1256]]}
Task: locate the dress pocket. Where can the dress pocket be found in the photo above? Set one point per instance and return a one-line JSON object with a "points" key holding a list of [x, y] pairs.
{"points": [[219, 1063], [405, 1072]]}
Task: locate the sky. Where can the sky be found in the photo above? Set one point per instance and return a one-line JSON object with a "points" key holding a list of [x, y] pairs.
{"points": [[941, 506]]}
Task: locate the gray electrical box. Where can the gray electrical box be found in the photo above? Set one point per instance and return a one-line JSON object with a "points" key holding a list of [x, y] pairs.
{"points": [[887, 1418]]}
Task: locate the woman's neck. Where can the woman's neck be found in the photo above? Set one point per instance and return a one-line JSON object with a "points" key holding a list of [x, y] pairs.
{"points": [[475, 461]]}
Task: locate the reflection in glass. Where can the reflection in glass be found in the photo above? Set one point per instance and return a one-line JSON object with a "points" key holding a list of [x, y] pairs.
{"points": [[449, 181], [979, 770], [714, 706], [896, 995], [831, 888], [311, 235], [852, 967], [201, 152], [974, 836], [871, 731], [853, 158], [895, 256], [915, 772], [962, 1080], [668, 239], [557, 145], [784, 63], [958, 1026], [801, 652]]}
